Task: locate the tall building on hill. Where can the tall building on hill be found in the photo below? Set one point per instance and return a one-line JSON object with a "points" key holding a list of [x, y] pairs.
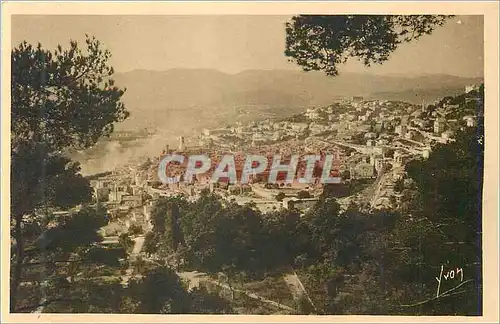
{"points": [[439, 125], [182, 144], [401, 130], [470, 88]]}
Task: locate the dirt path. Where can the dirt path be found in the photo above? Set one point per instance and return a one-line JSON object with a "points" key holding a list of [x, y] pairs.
{"points": [[138, 243], [378, 187], [297, 288], [195, 278], [293, 282]]}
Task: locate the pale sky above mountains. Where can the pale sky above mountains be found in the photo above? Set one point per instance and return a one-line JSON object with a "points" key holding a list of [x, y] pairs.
{"points": [[235, 43]]}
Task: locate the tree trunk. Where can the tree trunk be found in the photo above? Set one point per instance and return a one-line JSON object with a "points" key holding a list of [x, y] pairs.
{"points": [[18, 266], [232, 292], [230, 287]]}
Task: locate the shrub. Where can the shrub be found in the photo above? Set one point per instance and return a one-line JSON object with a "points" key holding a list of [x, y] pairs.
{"points": [[135, 229], [280, 196], [303, 194]]}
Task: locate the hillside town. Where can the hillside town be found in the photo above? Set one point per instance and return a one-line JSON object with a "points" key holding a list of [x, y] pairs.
{"points": [[311, 162], [373, 139]]}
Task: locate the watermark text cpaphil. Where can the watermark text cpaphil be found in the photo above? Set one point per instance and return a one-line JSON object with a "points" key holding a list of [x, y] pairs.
{"points": [[253, 166]]}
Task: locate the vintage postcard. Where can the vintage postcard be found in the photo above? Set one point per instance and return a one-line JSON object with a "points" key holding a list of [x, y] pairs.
{"points": [[214, 161]]}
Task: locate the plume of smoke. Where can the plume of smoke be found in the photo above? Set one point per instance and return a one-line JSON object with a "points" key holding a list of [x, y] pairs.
{"points": [[114, 154]]}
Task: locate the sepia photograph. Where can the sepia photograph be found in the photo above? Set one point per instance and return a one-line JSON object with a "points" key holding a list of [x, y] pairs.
{"points": [[282, 163]]}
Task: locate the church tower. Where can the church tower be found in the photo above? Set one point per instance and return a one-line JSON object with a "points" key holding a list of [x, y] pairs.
{"points": [[182, 145]]}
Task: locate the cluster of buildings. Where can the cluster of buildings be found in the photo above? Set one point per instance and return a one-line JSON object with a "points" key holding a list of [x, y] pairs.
{"points": [[124, 194], [372, 138], [366, 122]]}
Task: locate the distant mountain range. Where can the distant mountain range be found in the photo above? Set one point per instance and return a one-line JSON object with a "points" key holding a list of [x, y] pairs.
{"points": [[191, 98]]}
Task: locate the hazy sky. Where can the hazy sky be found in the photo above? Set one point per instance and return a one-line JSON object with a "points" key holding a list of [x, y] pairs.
{"points": [[235, 43]]}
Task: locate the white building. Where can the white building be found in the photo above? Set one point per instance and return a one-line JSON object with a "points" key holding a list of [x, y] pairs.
{"points": [[401, 130], [470, 88], [400, 158], [439, 124], [470, 121], [350, 117], [382, 141], [318, 128], [361, 171], [312, 114], [410, 135], [300, 127], [259, 138], [379, 163], [182, 144], [426, 152], [370, 135]]}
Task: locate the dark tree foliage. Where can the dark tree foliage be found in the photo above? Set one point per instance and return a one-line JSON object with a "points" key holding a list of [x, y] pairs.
{"points": [[323, 42], [76, 231], [135, 229], [175, 230], [151, 242], [357, 261], [86, 296], [449, 189], [126, 242], [205, 302], [160, 214], [64, 97], [231, 238], [160, 291], [303, 194], [40, 178], [399, 186], [280, 196], [59, 99], [64, 257], [450, 181]]}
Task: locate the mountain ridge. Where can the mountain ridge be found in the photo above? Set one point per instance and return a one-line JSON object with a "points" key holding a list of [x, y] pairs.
{"points": [[205, 97], [394, 75]]}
